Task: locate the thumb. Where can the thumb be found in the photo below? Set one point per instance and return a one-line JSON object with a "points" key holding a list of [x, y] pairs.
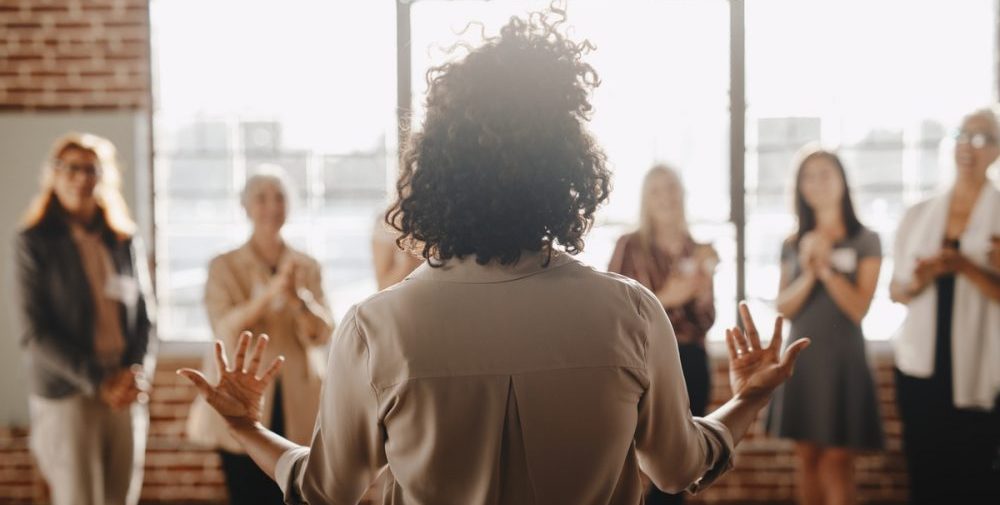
{"points": [[198, 379], [792, 354]]}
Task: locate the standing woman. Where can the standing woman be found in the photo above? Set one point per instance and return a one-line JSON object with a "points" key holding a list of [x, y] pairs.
{"points": [[503, 371], [829, 272], [265, 286], [664, 258], [87, 305], [948, 349]]}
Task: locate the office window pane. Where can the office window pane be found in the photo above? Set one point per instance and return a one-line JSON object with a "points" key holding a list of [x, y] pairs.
{"points": [[664, 69], [831, 72], [309, 86]]}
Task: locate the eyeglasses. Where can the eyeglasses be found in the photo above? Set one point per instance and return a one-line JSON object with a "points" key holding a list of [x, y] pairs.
{"points": [[977, 140], [90, 170]]}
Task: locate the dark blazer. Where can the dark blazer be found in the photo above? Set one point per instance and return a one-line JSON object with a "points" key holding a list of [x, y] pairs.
{"points": [[58, 310]]}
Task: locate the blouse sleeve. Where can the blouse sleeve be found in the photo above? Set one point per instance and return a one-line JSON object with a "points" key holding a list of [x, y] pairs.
{"points": [[870, 246], [676, 450], [347, 451], [219, 303], [789, 253], [617, 263]]}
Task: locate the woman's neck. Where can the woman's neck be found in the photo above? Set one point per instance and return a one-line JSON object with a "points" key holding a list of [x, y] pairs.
{"points": [[82, 216], [268, 246], [968, 185], [669, 237], [829, 222]]}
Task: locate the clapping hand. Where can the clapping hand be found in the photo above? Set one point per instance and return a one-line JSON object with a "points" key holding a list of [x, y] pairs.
{"points": [[755, 371], [124, 388], [238, 396], [814, 252]]}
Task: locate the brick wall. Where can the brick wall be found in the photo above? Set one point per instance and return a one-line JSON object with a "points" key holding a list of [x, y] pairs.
{"points": [[764, 471], [177, 472], [74, 54]]}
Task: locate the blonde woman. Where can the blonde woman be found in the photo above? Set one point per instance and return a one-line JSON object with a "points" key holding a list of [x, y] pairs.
{"points": [[88, 312], [664, 258], [265, 286], [948, 349]]}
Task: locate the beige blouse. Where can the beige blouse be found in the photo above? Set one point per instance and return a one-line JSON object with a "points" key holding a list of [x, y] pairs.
{"points": [[505, 385], [109, 341], [234, 278]]}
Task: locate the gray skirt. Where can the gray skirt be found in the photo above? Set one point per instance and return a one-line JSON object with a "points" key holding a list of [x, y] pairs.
{"points": [[830, 399]]}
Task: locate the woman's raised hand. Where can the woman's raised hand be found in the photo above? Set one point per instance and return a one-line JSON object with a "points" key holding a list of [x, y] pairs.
{"points": [[755, 371], [239, 394]]}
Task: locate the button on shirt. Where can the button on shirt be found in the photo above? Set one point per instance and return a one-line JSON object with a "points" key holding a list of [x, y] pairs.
{"points": [[523, 384]]}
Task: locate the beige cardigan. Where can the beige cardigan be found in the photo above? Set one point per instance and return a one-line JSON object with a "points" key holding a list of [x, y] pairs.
{"points": [[233, 279], [510, 385]]}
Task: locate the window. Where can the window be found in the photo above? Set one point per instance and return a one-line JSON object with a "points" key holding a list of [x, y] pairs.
{"points": [[886, 99], [309, 86], [664, 70]]}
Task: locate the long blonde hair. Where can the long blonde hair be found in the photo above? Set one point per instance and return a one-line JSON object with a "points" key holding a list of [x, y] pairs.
{"points": [[646, 224], [107, 193]]}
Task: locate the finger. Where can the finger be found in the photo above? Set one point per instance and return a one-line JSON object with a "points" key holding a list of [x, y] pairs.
{"points": [[731, 344], [198, 379], [272, 370], [754, 336], [741, 342], [777, 336], [258, 353], [792, 354], [220, 357], [747, 319], [241, 350]]}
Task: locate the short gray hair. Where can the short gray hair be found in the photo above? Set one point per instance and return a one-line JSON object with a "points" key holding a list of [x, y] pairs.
{"points": [[989, 113], [268, 173]]}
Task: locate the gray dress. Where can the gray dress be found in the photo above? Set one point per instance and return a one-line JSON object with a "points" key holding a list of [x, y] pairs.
{"points": [[830, 399]]}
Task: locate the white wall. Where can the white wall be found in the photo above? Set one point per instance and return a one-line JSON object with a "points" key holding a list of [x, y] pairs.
{"points": [[25, 139]]}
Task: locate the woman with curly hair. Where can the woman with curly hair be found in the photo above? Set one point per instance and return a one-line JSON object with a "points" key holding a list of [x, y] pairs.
{"points": [[502, 371]]}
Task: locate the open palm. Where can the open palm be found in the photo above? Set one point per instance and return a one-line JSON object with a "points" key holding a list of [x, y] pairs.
{"points": [[238, 395], [755, 370]]}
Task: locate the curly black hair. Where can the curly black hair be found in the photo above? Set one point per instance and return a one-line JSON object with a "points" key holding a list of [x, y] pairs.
{"points": [[504, 163]]}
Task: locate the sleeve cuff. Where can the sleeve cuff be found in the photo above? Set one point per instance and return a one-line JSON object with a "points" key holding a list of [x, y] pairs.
{"points": [[284, 470], [721, 459]]}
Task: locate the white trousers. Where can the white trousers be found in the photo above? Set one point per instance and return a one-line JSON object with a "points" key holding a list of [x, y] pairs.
{"points": [[89, 453]]}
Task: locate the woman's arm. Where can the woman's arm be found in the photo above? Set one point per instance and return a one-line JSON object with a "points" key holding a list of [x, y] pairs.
{"points": [[793, 293], [678, 291], [143, 346], [986, 281], [313, 318], [678, 451], [229, 317], [238, 398], [55, 354], [347, 450], [701, 310], [617, 263], [853, 299]]}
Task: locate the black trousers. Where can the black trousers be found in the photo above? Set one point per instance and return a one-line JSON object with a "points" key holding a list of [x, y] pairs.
{"points": [[951, 454], [246, 482], [694, 364]]}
